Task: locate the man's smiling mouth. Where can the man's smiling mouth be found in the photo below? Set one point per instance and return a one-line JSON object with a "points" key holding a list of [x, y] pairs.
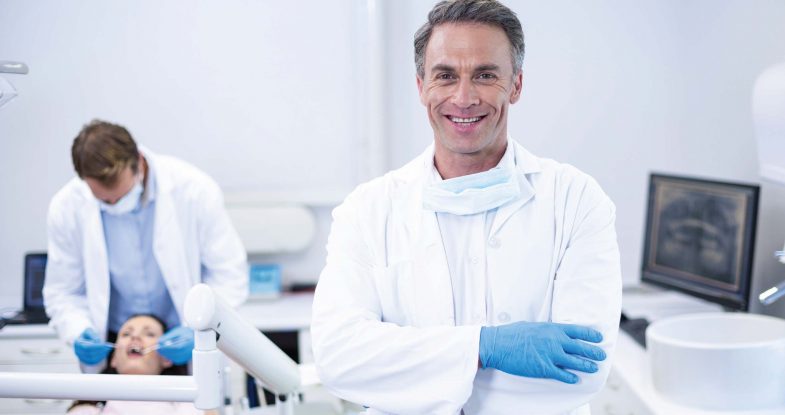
{"points": [[464, 120]]}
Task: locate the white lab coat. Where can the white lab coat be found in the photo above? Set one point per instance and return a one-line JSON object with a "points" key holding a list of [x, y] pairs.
{"points": [[193, 242], [383, 329]]}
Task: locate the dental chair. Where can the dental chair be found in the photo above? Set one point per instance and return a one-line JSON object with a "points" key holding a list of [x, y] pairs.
{"points": [[216, 327]]}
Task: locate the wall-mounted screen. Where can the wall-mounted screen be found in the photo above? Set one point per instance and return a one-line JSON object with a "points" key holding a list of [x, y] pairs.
{"points": [[700, 238]]}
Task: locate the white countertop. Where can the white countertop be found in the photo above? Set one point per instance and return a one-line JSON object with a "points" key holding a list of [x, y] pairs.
{"points": [[26, 331], [290, 312]]}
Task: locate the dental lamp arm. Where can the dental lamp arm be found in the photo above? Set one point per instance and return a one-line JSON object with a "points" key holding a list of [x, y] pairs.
{"points": [[241, 341]]}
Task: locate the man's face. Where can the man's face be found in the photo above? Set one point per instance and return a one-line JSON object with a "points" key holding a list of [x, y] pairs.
{"points": [[111, 194], [468, 86]]}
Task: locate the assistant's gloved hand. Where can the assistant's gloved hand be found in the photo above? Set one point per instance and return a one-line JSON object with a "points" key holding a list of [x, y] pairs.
{"points": [[89, 347], [177, 345], [540, 350]]}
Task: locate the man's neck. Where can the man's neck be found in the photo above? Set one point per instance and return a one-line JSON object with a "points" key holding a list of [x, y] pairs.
{"points": [[451, 165]]}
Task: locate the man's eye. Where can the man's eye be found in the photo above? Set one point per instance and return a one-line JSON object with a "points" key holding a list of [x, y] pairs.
{"points": [[445, 76], [486, 76]]}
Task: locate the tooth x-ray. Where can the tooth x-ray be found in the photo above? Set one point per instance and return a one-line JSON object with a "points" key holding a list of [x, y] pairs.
{"points": [[700, 237]]}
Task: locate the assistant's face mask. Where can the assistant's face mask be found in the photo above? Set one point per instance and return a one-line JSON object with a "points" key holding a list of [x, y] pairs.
{"points": [[127, 203], [474, 193]]}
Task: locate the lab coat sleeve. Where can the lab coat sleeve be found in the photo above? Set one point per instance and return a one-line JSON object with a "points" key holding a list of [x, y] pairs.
{"points": [[360, 358], [64, 291], [587, 288], [222, 255]]}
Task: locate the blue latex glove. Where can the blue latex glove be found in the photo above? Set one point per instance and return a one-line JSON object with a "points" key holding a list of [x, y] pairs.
{"points": [[177, 345], [89, 347], [540, 350]]}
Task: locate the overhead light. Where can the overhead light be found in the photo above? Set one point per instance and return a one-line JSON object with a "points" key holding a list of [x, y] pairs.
{"points": [[7, 91], [13, 67]]}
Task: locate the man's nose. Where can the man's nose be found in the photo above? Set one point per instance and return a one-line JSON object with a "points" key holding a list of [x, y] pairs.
{"points": [[465, 94]]}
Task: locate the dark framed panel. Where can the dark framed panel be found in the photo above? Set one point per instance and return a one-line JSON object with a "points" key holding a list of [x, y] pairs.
{"points": [[700, 237]]}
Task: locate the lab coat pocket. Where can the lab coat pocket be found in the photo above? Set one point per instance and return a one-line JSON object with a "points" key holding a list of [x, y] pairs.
{"points": [[394, 285]]}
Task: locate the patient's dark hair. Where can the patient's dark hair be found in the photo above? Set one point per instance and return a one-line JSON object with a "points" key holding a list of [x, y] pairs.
{"points": [[174, 370]]}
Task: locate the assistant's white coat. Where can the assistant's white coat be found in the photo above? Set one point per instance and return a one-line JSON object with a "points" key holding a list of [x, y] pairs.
{"points": [[193, 242], [383, 329]]}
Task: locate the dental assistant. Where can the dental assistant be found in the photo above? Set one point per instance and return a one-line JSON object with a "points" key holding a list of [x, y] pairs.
{"points": [[131, 235], [478, 278]]}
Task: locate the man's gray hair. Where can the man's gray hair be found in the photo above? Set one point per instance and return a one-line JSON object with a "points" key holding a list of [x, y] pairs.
{"points": [[489, 12]]}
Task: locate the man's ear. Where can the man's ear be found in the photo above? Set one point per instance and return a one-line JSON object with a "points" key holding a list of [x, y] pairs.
{"points": [[517, 86], [419, 89]]}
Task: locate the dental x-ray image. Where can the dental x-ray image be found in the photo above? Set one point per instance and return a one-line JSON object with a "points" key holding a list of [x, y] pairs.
{"points": [[700, 237]]}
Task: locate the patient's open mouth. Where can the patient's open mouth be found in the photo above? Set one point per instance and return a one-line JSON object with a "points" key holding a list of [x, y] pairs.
{"points": [[135, 350]]}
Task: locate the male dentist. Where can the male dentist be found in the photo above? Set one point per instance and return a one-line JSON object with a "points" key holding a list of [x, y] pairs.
{"points": [[478, 278], [131, 235]]}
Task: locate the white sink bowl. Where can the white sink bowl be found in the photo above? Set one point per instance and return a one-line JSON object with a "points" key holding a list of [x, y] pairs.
{"points": [[719, 361]]}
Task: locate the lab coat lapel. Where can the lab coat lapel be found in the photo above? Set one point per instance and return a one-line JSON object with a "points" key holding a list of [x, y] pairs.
{"points": [[96, 265], [431, 284], [167, 240], [525, 164]]}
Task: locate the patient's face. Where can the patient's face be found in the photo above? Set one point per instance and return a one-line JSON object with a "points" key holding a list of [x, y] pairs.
{"points": [[137, 334]]}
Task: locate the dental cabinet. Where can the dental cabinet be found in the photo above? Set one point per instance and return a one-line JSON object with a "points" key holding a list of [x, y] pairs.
{"points": [[34, 348]]}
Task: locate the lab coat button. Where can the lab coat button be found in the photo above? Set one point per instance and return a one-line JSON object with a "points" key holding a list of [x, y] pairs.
{"points": [[504, 317], [475, 260], [494, 243]]}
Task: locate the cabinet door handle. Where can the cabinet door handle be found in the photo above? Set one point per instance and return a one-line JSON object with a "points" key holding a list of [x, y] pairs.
{"points": [[41, 351], [44, 402]]}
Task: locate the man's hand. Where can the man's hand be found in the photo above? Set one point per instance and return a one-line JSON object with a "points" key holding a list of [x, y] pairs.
{"points": [[89, 347], [540, 350], [177, 345]]}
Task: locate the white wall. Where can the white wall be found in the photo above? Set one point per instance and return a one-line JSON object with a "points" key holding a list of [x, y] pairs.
{"points": [[616, 88], [260, 94]]}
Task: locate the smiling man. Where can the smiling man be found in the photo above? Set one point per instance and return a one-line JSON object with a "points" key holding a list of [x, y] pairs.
{"points": [[131, 235], [478, 278]]}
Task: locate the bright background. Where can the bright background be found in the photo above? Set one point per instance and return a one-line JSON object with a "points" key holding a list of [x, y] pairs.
{"points": [[307, 99]]}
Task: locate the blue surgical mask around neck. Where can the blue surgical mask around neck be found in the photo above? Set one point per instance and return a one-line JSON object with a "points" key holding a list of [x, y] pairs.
{"points": [[127, 203], [473, 193]]}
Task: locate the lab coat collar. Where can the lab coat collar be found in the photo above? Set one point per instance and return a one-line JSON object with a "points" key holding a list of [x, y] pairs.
{"points": [[527, 165], [151, 182], [421, 172]]}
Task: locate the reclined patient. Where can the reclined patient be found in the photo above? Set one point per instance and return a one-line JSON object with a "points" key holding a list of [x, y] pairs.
{"points": [[134, 354]]}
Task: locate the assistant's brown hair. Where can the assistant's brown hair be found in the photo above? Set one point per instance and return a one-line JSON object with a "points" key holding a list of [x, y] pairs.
{"points": [[102, 150]]}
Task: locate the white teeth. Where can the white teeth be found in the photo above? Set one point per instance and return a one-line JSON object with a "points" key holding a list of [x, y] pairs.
{"points": [[465, 120]]}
